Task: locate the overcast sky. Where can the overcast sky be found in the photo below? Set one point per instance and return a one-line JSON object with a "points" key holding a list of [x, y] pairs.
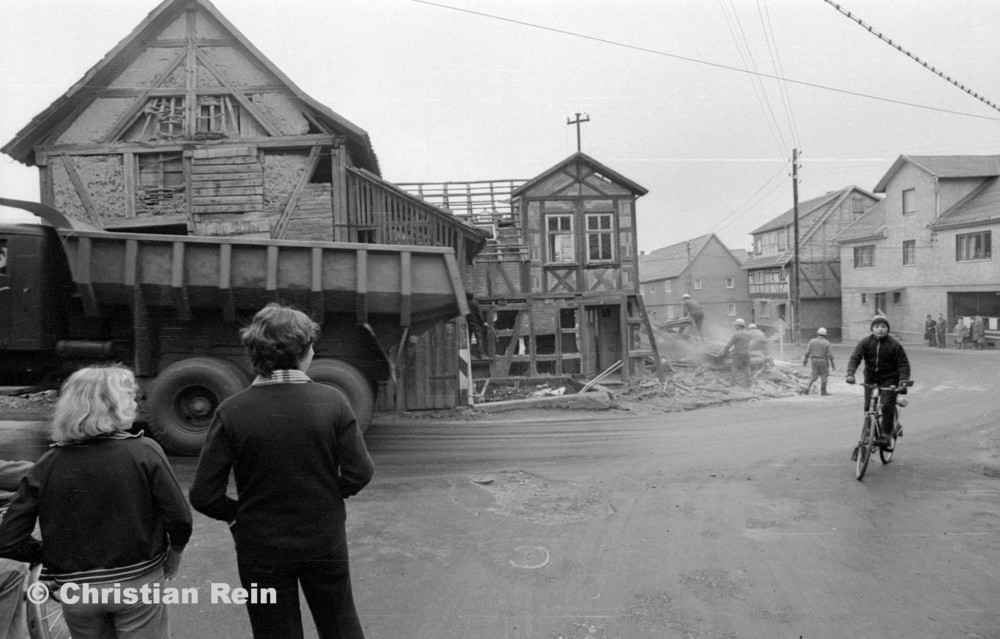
{"points": [[482, 89]]}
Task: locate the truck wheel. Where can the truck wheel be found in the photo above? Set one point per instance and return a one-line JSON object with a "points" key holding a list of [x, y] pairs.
{"points": [[184, 398], [349, 381]]}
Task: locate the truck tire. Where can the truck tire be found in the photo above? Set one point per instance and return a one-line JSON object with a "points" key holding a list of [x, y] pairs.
{"points": [[349, 381], [184, 398]]}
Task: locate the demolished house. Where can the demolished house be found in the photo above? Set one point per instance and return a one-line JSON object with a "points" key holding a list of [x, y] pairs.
{"points": [[186, 128]]}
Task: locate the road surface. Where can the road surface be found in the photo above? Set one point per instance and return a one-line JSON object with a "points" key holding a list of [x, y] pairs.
{"points": [[736, 521]]}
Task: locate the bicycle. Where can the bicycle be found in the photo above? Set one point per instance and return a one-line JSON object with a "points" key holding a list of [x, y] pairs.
{"points": [[872, 428]]}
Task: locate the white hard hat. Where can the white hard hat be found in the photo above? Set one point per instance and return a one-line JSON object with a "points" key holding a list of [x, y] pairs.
{"points": [[821, 331], [740, 322], [752, 326], [685, 296]]}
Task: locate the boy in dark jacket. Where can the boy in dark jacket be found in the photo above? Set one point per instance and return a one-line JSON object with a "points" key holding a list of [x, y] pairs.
{"points": [[886, 364]]}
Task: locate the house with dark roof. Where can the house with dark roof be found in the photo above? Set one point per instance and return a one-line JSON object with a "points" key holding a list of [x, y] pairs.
{"points": [[927, 247], [771, 269], [705, 269]]}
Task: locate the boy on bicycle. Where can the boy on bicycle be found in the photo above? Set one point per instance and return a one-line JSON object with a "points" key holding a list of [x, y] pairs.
{"points": [[886, 364]]}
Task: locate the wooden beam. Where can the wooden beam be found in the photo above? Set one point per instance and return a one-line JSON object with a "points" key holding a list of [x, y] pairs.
{"points": [[128, 119], [238, 94], [281, 225], [81, 191]]}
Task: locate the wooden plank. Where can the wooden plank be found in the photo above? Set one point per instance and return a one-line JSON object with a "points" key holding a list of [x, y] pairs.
{"points": [[202, 192], [131, 172], [226, 208], [249, 106], [228, 182], [225, 160], [249, 199], [406, 289], [249, 170], [140, 103], [225, 152]]}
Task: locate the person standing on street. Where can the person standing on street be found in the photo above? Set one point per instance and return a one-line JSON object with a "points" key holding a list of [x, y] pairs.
{"points": [[979, 332], [296, 451], [740, 345], [942, 330], [819, 354], [930, 334], [695, 311], [111, 512], [886, 364], [961, 333]]}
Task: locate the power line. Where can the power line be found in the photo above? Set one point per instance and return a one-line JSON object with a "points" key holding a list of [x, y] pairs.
{"points": [[911, 56], [779, 70], [704, 62]]}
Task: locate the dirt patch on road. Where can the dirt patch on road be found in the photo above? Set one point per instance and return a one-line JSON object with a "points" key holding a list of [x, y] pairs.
{"points": [[542, 501]]}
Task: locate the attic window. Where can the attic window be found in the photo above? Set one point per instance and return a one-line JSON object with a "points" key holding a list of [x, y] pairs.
{"points": [[161, 176], [217, 117], [164, 119]]}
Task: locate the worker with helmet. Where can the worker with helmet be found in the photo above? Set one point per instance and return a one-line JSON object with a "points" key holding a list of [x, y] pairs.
{"points": [[758, 342], [819, 354], [740, 345], [695, 311], [886, 364]]}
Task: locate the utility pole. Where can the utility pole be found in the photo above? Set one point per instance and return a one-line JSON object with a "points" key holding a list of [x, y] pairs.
{"points": [[796, 300], [578, 121]]}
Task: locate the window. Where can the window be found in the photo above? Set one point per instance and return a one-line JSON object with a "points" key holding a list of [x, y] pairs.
{"points": [[559, 231], [731, 310], [897, 297], [864, 256], [864, 298], [217, 116], [161, 175], [600, 233], [730, 283], [909, 201], [973, 246], [909, 252], [666, 286], [765, 311], [879, 303], [858, 205], [697, 285]]}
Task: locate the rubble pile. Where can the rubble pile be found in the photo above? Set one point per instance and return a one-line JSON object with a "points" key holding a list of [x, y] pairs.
{"points": [[695, 386]]}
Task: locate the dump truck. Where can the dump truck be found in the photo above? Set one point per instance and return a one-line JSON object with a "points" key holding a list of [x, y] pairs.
{"points": [[171, 306]]}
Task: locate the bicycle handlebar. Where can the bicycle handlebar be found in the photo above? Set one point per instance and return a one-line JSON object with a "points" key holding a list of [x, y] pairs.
{"points": [[903, 384]]}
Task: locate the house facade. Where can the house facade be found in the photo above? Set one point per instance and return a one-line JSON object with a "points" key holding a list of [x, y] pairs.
{"points": [[704, 268], [927, 247], [186, 128], [771, 269], [558, 279]]}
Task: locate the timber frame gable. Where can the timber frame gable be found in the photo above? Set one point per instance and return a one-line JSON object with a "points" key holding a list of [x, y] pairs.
{"points": [[186, 128]]}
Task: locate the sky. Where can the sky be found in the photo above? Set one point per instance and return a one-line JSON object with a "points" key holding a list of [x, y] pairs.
{"points": [[699, 101]]}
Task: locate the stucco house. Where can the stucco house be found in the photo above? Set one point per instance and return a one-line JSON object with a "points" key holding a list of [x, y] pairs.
{"points": [[771, 269], [927, 247], [702, 267]]}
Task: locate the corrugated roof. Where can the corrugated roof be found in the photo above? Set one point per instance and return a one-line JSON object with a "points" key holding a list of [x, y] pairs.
{"points": [[945, 166]]}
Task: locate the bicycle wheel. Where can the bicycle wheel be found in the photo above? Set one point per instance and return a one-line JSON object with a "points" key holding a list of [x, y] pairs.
{"points": [[865, 447], [884, 453], [45, 620]]}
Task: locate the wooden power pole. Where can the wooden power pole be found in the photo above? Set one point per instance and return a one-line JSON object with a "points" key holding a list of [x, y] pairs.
{"points": [[578, 121], [796, 300]]}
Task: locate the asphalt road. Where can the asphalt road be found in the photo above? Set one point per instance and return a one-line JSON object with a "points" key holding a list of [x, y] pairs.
{"points": [[737, 521]]}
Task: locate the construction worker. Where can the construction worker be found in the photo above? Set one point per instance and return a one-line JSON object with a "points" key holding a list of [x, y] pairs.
{"points": [[740, 345], [818, 352], [695, 311], [758, 342]]}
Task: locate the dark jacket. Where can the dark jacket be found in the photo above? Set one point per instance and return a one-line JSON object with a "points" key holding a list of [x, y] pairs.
{"points": [[296, 452], [107, 509], [885, 360]]}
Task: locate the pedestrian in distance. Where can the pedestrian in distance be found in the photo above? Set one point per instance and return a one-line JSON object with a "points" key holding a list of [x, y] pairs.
{"points": [[961, 333], [978, 332], [296, 451], [886, 364], [941, 326], [930, 334], [695, 311], [111, 511], [818, 353], [739, 343]]}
